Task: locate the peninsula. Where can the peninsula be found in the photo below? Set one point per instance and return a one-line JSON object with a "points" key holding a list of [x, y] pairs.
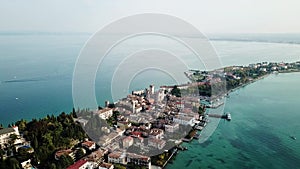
{"points": [[142, 130]]}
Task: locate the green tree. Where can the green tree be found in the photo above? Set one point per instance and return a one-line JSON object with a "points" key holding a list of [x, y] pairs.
{"points": [[79, 154], [12, 139], [2, 152], [53, 166], [14, 163], [65, 161], [176, 91]]}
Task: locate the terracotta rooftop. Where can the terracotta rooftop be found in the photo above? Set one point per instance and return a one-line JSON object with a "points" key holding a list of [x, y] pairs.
{"points": [[115, 155], [77, 165], [105, 165], [63, 152], [88, 143]]}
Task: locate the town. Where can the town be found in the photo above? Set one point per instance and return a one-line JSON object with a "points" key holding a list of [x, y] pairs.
{"points": [[143, 130]]}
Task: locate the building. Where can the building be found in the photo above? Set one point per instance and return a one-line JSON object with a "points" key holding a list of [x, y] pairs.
{"points": [[26, 164], [184, 120], [117, 157], [81, 164], [136, 134], [68, 152], [105, 113], [96, 156], [157, 143], [179, 104], [113, 146], [127, 142], [123, 124], [138, 92], [171, 127], [107, 139], [139, 160], [160, 96], [156, 133], [90, 145], [151, 89], [6, 133], [81, 121], [106, 166]]}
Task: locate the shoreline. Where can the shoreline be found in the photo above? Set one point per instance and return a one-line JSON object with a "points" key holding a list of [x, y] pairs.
{"points": [[227, 93], [244, 85]]}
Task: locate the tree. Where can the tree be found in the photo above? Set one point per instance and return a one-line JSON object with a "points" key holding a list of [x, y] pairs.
{"points": [[21, 124], [176, 91], [115, 114], [79, 154], [118, 166], [74, 113], [53, 166], [35, 142], [65, 161], [2, 152], [14, 163], [111, 105], [13, 138]]}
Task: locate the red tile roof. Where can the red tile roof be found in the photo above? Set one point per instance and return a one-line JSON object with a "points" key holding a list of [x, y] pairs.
{"points": [[77, 164], [88, 143]]}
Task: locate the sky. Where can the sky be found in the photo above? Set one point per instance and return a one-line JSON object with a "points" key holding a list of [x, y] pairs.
{"points": [[209, 16]]}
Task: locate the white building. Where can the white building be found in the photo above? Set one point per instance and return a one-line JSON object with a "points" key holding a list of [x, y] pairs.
{"points": [[105, 113], [117, 157], [160, 96], [138, 92], [107, 139], [6, 133], [127, 142], [139, 160], [157, 143], [184, 120], [171, 127], [151, 89], [89, 145]]}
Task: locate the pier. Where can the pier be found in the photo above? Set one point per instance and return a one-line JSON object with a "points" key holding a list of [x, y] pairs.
{"points": [[226, 116], [173, 153]]}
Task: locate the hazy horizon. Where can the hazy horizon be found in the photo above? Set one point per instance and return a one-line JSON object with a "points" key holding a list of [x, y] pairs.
{"points": [[232, 16]]}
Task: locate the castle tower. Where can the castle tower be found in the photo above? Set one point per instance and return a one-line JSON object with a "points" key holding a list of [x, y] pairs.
{"points": [[133, 106], [151, 89]]}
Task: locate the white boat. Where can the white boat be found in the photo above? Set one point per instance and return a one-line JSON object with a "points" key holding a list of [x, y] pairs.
{"points": [[228, 116]]}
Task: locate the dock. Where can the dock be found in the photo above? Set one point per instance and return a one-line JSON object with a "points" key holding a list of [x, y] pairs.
{"points": [[226, 116]]}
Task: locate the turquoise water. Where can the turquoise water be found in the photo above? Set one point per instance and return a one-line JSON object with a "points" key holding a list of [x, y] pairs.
{"points": [[264, 114], [43, 66]]}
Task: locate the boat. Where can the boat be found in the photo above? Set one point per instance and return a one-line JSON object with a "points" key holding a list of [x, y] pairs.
{"points": [[197, 136], [199, 128], [228, 116], [293, 137], [182, 148]]}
